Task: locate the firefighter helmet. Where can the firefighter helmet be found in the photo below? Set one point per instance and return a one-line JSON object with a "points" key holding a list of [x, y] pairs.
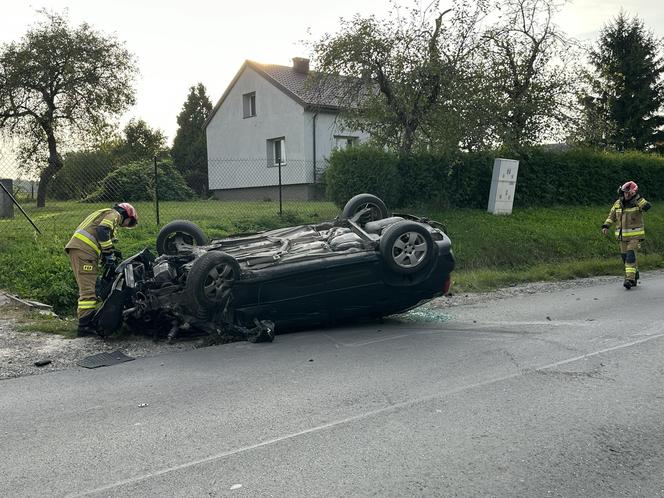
{"points": [[629, 186], [128, 212]]}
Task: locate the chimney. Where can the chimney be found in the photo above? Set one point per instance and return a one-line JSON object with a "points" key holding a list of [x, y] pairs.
{"points": [[301, 65]]}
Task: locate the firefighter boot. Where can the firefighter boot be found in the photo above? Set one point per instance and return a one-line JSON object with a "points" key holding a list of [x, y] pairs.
{"points": [[86, 327], [628, 284]]}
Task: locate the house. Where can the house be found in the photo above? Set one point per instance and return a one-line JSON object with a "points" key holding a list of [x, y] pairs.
{"points": [[272, 127]]}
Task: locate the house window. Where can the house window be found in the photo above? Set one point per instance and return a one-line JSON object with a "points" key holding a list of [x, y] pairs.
{"points": [[249, 104], [343, 141], [276, 151]]}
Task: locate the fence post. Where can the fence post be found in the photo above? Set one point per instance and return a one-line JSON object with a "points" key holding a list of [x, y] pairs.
{"points": [[6, 204], [156, 189], [280, 206]]}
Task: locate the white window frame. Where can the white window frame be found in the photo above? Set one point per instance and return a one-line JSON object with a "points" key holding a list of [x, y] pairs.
{"points": [[276, 148], [346, 141], [249, 105]]}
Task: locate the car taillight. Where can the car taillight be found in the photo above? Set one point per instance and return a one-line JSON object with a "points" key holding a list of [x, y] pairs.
{"points": [[447, 285]]}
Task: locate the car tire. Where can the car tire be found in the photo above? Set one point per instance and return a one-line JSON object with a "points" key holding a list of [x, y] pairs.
{"points": [[184, 230], [210, 282], [378, 209], [407, 247]]}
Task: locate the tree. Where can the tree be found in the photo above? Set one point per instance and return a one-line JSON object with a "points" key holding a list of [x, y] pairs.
{"points": [[397, 76], [626, 87], [529, 84], [59, 82], [140, 142], [189, 151]]}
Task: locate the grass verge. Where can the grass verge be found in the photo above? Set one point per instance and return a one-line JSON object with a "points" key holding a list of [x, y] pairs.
{"points": [[483, 280]]}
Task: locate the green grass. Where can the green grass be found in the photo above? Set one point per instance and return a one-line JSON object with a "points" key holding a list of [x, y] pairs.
{"points": [[66, 327], [491, 251], [35, 321]]}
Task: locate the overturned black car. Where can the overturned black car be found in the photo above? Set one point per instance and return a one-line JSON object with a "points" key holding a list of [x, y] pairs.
{"points": [[363, 264]]}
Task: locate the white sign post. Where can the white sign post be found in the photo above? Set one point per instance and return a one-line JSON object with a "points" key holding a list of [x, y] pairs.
{"points": [[503, 184]]}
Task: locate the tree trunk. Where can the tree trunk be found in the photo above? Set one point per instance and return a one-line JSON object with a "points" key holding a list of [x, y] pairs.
{"points": [[54, 165], [408, 139]]}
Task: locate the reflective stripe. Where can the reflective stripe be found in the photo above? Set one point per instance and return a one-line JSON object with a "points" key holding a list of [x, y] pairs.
{"points": [[91, 218], [87, 305], [106, 244], [630, 210], [107, 223], [631, 232], [87, 238]]}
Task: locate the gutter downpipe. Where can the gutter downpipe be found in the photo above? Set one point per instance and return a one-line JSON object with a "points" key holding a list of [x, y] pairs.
{"points": [[314, 141]]}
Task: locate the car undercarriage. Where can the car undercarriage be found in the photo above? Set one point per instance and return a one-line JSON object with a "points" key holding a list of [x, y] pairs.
{"points": [[363, 264]]}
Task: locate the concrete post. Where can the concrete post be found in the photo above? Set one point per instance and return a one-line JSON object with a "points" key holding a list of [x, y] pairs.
{"points": [[6, 204]]}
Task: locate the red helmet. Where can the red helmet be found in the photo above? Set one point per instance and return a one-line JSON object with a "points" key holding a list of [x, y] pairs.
{"points": [[128, 212], [629, 186]]}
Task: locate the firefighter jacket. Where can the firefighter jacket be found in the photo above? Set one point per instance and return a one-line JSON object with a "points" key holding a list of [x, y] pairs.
{"points": [[96, 233], [628, 217]]}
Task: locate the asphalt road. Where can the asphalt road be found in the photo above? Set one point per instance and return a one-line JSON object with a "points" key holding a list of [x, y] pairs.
{"points": [[554, 394]]}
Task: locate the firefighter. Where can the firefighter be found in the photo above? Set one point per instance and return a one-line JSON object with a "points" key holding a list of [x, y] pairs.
{"points": [[627, 214], [91, 244]]}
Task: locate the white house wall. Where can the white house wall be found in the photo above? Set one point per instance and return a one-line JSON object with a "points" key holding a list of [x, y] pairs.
{"points": [[327, 128], [237, 146]]}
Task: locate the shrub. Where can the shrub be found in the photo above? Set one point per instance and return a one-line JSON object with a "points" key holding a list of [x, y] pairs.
{"points": [[135, 182], [80, 174]]}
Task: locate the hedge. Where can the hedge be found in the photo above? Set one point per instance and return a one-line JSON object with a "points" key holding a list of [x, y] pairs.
{"points": [[546, 177], [362, 169]]}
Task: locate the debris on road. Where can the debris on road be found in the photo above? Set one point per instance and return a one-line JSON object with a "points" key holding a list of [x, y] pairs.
{"points": [[104, 359], [28, 303]]}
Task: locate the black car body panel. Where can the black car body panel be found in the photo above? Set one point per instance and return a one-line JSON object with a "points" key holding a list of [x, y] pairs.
{"points": [[335, 289]]}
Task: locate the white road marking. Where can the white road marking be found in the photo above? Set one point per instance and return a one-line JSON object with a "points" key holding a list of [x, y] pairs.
{"points": [[355, 418]]}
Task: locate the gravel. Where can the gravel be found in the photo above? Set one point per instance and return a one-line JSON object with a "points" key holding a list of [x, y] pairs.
{"points": [[20, 350]]}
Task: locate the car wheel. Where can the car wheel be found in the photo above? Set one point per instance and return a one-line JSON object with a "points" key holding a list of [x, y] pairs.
{"points": [[376, 208], [179, 232], [210, 282], [407, 247]]}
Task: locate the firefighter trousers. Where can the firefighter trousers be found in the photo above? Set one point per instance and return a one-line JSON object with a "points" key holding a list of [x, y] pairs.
{"points": [[86, 267], [628, 250]]}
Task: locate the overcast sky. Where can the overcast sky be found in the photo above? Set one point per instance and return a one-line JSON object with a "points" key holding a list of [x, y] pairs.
{"points": [[179, 43]]}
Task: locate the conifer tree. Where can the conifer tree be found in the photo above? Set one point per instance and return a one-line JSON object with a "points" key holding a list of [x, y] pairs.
{"points": [[189, 150], [627, 89]]}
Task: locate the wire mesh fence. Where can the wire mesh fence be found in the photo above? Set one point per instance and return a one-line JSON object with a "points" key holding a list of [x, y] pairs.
{"points": [[229, 195]]}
